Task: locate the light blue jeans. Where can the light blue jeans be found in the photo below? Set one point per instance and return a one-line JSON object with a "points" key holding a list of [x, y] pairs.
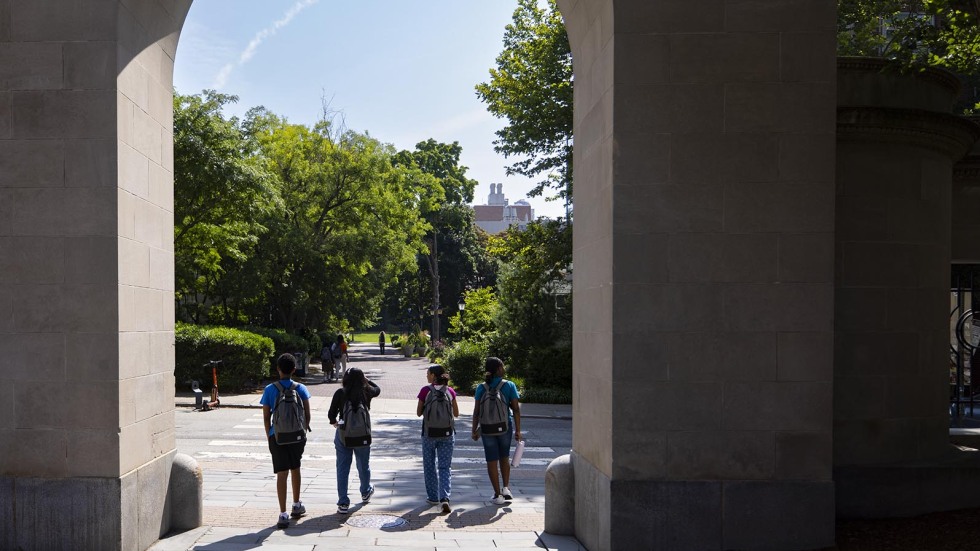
{"points": [[438, 486], [344, 457]]}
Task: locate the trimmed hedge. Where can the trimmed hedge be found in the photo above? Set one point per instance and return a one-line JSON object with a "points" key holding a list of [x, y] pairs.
{"points": [[245, 355], [546, 395], [465, 361], [283, 342]]}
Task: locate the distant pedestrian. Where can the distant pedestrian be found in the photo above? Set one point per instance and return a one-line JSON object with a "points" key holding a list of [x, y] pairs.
{"points": [[341, 358], [356, 390], [286, 457], [438, 409], [327, 363], [496, 419], [381, 342]]}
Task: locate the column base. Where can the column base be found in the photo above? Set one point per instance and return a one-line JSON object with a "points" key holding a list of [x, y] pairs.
{"points": [[87, 513], [680, 515], [909, 489]]}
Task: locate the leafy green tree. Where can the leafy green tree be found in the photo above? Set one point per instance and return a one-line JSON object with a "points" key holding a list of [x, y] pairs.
{"points": [[219, 195], [912, 33], [453, 249], [476, 322], [348, 226], [531, 87], [535, 310]]}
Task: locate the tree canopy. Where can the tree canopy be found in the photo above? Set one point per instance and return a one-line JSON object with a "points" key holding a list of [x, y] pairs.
{"points": [[531, 87]]}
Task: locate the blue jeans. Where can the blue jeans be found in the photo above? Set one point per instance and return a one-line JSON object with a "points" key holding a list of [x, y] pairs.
{"points": [[344, 456], [438, 487]]}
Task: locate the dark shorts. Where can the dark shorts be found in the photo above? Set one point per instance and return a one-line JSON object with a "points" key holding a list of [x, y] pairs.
{"points": [[497, 447], [285, 458]]}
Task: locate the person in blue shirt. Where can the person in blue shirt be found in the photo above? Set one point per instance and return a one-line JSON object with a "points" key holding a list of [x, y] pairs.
{"points": [[285, 458], [496, 448]]}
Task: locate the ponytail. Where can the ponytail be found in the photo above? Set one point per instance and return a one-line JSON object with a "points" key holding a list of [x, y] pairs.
{"points": [[491, 367], [439, 372]]}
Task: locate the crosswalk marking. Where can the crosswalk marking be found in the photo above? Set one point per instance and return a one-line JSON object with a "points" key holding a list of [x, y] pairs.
{"points": [[385, 459], [374, 446]]}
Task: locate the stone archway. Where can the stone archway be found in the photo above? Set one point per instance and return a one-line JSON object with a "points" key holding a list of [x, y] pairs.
{"points": [[703, 252]]}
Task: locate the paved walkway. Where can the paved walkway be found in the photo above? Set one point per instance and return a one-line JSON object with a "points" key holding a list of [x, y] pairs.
{"points": [[239, 489]]}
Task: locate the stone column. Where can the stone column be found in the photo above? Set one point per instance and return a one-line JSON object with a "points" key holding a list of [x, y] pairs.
{"points": [[966, 207], [896, 146], [86, 272], [704, 208]]}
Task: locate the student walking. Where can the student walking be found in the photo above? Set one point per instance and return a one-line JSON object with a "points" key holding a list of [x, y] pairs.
{"points": [[286, 416], [496, 419], [438, 409], [342, 357], [349, 413], [381, 342]]}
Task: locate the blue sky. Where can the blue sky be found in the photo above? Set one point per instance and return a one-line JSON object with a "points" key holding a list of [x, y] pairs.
{"points": [[402, 71]]}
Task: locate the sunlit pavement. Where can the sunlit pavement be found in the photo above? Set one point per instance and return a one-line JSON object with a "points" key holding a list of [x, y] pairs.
{"points": [[240, 506]]}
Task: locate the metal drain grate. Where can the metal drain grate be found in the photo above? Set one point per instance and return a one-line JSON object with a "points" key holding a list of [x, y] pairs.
{"points": [[375, 521]]}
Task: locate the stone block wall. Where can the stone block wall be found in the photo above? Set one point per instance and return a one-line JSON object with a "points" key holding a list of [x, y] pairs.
{"points": [[86, 269], [704, 256]]}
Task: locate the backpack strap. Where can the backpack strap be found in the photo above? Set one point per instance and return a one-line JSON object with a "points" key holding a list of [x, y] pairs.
{"points": [[281, 390]]}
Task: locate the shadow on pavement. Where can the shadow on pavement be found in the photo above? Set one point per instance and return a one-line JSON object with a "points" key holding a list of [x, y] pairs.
{"points": [[254, 539]]}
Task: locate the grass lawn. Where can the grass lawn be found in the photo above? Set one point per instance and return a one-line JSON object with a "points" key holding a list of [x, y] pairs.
{"points": [[365, 336]]}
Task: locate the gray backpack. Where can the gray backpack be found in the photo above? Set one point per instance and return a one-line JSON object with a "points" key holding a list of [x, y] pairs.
{"points": [[494, 410], [356, 430], [437, 414], [288, 416]]}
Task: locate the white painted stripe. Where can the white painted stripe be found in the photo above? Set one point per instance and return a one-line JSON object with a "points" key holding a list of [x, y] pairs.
{"points": [[332, 458]]}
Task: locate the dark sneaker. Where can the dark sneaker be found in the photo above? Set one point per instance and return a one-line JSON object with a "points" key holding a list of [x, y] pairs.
{"points": [[298, 510], [445, 506], [367, 497], [343, 509], [283, 521]]}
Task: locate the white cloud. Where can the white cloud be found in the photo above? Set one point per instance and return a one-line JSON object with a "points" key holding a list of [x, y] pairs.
{"points": [[222, 77]]}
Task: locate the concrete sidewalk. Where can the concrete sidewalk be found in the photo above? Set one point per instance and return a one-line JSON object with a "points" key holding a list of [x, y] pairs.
{"points": [[238, 496]]}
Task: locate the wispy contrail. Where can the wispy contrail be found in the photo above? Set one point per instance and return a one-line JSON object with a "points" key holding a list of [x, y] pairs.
{"points": [[222, 77]]}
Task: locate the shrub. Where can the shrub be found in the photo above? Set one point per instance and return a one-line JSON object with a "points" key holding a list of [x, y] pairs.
{"points": [[314, 344], [282, 341], [465, 361], [245, 355], [546, 395], [549, 367], [438, 353]]}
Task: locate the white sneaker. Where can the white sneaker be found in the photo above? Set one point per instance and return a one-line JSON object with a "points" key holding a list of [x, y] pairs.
{"points": [[506, 493], [498, 500]]}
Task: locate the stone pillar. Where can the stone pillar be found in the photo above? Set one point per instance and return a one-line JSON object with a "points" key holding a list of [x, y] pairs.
{"points": [[704, 219], [896, 146], [86, 272], [966, 207]]}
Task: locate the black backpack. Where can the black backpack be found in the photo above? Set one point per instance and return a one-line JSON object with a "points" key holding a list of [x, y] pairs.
{"points": [[437, 414], [288, 416]]}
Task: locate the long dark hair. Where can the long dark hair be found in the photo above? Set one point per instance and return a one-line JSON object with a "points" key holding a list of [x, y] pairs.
{"points": [[354, 383], [442, 378], [491, 367]]}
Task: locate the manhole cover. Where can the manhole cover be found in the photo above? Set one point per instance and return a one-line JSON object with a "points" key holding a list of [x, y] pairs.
{"points": [[375, 521]]}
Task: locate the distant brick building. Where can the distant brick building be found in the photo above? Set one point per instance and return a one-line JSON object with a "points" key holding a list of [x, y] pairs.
{"points": [[497, 215]]}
